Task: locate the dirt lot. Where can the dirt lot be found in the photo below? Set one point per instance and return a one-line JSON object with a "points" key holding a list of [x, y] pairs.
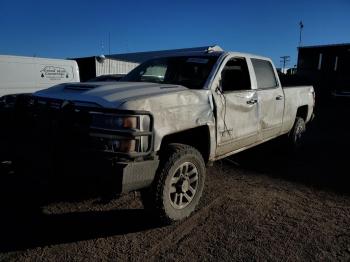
{"points": [[262, 204]]}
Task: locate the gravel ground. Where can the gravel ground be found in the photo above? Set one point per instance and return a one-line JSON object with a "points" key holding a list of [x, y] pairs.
{"points": [[261, 204]]}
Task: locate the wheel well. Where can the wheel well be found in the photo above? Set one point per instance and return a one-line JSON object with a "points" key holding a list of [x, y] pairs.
{"points": [[198, 137], [302, 112]]}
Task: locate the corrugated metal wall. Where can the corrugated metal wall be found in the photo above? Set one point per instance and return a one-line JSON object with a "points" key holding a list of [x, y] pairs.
{"points": [[112, 66]]}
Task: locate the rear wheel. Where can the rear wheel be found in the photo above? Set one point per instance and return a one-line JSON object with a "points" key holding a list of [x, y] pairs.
{"points": [[296, 135], [178, 185]]}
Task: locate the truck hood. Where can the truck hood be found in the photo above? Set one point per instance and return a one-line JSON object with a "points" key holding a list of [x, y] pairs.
{"points": [[107, 94], [174, 108]]}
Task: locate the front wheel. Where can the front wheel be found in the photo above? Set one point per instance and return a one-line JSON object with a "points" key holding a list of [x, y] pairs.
{"points": [[178, 185]]}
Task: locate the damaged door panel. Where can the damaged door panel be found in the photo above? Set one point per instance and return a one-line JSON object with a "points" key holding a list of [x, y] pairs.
{"points": [[237, 107], [271, 99]]}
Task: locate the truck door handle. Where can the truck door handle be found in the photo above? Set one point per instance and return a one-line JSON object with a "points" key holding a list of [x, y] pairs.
{"points": [[279, 97], [252, 101]]}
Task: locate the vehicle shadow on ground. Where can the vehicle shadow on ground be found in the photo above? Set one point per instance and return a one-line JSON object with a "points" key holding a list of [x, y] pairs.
{"points": [[321, 163], [21, 231], [30, 230], [315, 173], [24, 225]]}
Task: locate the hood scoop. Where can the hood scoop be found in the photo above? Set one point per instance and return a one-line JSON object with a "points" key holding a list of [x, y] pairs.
{"points": [[80, 87]]}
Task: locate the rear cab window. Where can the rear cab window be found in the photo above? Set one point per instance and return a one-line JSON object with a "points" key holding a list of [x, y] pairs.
{"points": [[265, 75]]}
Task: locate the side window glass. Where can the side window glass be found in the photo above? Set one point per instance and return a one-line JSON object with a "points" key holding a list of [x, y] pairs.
{"points": [[264, 73], [235, 75]]}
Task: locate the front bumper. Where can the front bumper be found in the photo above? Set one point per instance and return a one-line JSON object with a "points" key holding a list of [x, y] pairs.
{"points": [[136, 175]]}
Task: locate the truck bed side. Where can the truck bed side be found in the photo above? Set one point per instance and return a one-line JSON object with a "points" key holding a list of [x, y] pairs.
{"points": [[297, 98]]}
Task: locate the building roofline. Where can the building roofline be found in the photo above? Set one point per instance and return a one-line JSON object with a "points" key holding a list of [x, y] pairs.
{"points": [[327, 45]]}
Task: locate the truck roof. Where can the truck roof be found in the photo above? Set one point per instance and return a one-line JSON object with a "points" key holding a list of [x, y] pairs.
{"points": [[216, 53], [248, 55]]}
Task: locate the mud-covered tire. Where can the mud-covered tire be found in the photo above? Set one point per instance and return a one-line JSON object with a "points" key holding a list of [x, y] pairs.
{"points": [[178, 185], [296, 135]]}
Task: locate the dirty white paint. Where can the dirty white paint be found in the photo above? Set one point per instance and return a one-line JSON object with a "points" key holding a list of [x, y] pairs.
{"points": [[234, 124], [178, 111], [245, 125], [296, 97]]}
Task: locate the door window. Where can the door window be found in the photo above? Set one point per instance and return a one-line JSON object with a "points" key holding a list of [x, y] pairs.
{"points": [[264, 73], [235, 75]]}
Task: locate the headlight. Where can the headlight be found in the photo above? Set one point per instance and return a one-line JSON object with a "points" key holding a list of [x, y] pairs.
{"points": [[110, 121], [134, 138], [10, 101]]}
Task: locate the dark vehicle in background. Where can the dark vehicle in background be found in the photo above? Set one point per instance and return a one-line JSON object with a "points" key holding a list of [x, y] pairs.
{"points": [[106, 78]]}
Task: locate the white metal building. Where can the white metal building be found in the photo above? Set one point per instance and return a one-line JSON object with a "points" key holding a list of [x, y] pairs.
{"points": [[121, 64]]}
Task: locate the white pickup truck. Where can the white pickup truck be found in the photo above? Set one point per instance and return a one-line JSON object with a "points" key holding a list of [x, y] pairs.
{"points": [[166, 120]]}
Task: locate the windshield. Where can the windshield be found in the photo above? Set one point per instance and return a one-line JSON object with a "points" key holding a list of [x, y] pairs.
{"points": [[189, 71]]}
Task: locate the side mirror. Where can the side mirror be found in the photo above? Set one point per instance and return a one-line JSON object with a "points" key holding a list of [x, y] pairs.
{"points": [[218, 89], [222, 82]]}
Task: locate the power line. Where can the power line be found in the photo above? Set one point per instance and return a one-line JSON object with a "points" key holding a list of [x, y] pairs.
{"points": [[284, 61]]}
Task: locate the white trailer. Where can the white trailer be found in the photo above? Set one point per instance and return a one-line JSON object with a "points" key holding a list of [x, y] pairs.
{"points": [[25, 75]]}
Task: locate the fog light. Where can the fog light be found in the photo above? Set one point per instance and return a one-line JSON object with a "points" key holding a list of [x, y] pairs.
{"points": [[115, 145], [124, 146]]}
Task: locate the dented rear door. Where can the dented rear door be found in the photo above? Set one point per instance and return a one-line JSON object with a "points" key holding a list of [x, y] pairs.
{"points": [[270, 97]]}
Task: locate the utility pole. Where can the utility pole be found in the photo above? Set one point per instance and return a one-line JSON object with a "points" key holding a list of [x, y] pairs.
{"points": [[109, 52], [109, 43], [301, 26], [284, 61]]}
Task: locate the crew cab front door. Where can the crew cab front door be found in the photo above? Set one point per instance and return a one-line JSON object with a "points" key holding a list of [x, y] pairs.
{"points": [[236, 107]]}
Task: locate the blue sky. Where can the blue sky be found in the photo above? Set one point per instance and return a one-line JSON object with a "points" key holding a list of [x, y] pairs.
{"points": [[63, 28]]}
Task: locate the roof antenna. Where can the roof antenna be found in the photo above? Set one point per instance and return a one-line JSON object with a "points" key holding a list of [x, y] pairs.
{"points": [[102, 47]]}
